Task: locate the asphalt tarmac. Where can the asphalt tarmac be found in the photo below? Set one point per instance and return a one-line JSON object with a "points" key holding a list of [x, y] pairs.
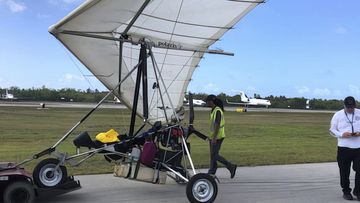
{"points": [[113, 105], [286, 183]]}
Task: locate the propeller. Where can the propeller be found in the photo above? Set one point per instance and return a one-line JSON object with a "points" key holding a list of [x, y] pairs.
{"points": [[191, 120], [191, 109]]}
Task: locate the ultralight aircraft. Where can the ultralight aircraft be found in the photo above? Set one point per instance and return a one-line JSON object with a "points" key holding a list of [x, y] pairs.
{"points": [[144, 52]]}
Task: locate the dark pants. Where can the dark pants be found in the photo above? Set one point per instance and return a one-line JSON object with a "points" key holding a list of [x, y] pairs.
{"points": [[344, 158], [215, 157]]}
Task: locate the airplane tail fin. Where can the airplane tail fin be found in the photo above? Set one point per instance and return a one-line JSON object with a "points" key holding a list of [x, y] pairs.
{"points": [[243, 97]]}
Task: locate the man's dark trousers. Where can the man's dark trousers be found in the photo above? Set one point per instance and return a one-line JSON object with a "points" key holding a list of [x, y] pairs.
{"points": [[344, 158]]}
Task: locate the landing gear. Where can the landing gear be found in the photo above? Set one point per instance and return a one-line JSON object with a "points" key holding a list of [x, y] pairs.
{"points": [[201, 188], [19, 192], [49, 174]]}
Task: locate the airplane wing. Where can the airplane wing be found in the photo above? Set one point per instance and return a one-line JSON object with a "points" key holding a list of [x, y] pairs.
{"points": [[237, 103], [180, 32], [250, 103]]}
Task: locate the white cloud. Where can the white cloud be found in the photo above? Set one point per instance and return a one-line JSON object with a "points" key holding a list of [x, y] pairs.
{"points": [[14, 6], [302, 90], [341, 30], [355, 90], [322, 92], [70, 78]]}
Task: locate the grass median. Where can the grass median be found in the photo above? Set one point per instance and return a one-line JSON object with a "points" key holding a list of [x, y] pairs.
{"points": [[252, 138]]}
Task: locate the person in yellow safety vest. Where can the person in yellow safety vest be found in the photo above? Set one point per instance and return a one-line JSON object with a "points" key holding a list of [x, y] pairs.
{"points": [[217, 135]]}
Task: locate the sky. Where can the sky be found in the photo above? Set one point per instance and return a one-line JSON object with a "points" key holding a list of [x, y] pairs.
{"points": [[307, 48]]}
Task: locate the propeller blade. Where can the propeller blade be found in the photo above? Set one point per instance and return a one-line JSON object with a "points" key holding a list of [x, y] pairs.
{"points": [[191, 109]]}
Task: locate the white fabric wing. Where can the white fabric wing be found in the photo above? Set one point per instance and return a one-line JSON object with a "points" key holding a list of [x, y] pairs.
{"points": [[175, 28]]}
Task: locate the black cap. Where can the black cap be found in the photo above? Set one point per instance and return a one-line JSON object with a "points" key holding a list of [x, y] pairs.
{"points": [[211, 97], [349, 102]]}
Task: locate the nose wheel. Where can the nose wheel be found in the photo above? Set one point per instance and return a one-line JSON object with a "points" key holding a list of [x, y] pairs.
{"points": [[48, 173]]}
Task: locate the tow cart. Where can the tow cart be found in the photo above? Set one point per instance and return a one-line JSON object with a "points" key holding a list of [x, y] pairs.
{"points": [[17, 185]]}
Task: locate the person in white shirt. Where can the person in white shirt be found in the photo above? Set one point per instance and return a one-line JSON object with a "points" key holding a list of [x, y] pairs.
{"points": [[345, 126]]}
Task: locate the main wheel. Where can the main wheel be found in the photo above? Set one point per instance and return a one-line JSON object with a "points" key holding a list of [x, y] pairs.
{"points": [[201, 188], [19, 192], [47, 175]]}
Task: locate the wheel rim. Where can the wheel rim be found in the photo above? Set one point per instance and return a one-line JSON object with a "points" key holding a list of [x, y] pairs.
{"points": [[203, 190], [49, 176], [20, 195]]}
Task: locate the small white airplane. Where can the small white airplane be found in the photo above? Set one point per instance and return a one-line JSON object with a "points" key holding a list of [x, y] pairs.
{"points": [[196, 102], [307, 106], [7, 96], [246, 101]]}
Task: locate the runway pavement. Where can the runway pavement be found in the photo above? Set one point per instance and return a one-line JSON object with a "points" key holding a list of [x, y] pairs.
{"points": [[288, 183], [112, 105]]}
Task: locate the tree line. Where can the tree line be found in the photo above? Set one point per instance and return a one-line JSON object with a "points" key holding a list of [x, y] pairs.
{"points": [[89, 95], [65, 94]]}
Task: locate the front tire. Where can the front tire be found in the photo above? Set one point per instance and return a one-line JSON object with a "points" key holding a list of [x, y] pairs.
{"points": [[19, 192], [201, 188], [47, 175]]}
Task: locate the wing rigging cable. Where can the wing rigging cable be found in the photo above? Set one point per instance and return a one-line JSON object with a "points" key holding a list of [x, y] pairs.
{"points": [[172, 80], [160, 71], [76, 65]]}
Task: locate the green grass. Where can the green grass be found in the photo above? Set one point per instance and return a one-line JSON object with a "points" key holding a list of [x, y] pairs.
{"points": [[252, 138]]}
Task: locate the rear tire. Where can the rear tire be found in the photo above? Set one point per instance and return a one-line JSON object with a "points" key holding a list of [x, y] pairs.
{"points": [[45, 175], [201, 188], [19, 192]]}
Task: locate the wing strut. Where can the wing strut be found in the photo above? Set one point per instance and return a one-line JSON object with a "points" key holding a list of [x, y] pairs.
{"points": [[121, 44], [124, 34], [85, 34], [52, 149], [141, 74]]}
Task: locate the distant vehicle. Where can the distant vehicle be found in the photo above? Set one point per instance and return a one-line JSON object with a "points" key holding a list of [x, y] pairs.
{"points": [[196, 102], [246, 101], [7, 96]]}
